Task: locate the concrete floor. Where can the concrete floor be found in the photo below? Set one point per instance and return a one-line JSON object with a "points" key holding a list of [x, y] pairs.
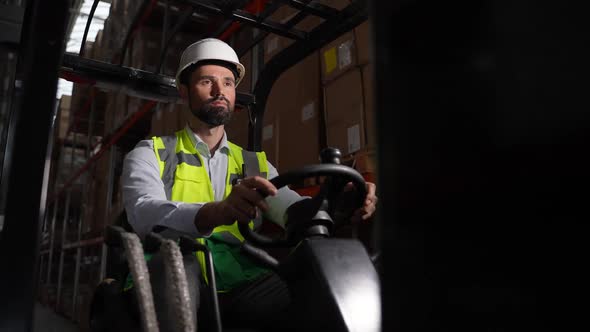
{"points": [[46, 320]]}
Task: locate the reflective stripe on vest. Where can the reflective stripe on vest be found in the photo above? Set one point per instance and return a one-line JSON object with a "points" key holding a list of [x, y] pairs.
{"points": [[186, 180]]}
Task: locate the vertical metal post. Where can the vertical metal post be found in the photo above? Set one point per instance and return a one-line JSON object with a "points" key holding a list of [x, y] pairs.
{"points": [[64, 227], [103, 261], [81, 217], [109, 199], [257, 60], [77, 271], [41, 47], [61, 248], [52, 239], [42, 255], [41, 264]]}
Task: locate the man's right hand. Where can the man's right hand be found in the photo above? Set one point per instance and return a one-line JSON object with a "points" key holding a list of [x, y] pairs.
{"points": [[240, 205]]}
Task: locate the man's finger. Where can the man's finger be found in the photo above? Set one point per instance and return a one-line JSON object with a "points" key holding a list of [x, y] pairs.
{"points": [[368, 212], [371, 201], [253, 197], [370, 189], [261, 184]]}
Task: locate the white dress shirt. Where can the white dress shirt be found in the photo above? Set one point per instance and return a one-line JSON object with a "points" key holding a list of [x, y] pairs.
{"points": [[145, 200]]}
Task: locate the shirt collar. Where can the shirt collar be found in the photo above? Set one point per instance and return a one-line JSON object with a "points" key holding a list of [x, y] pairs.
{"points": [[202, 147]]}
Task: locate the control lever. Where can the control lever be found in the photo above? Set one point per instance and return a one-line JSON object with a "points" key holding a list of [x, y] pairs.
{"points": [[260, 256]]}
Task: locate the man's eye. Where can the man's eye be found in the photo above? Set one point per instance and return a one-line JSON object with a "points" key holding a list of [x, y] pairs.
{"points": [[205, 82], [229, 83]]}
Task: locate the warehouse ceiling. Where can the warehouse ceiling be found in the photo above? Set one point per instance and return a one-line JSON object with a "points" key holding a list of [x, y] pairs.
{"points": [[78, 18], [81, 9]]}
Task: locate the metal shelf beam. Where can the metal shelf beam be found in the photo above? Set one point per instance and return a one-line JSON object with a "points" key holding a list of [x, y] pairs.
{"points": [[135, 82]]}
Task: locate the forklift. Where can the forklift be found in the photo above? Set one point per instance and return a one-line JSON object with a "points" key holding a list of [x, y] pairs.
{"points": [[482, 149], [154, 86]]}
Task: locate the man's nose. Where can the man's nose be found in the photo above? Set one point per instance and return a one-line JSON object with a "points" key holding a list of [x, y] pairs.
{"points": [[216, 89]]}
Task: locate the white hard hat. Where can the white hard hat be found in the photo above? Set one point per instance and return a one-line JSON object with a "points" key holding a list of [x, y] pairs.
{"points": [[209, 49]]}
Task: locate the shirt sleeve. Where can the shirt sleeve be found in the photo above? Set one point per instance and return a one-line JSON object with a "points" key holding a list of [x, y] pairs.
{"points": [[279, 203], [144, 197]]}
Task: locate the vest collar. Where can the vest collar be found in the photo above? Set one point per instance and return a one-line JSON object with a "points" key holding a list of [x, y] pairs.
{"points": [[202, 147]]}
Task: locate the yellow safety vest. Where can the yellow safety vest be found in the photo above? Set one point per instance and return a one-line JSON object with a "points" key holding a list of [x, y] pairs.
{"points": [[186, 180]]}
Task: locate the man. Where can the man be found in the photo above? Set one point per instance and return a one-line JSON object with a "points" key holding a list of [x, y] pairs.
{"points": [[186, 183]]}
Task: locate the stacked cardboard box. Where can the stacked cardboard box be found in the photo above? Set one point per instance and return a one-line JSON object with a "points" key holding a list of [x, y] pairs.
{"points": [[167, 119], [179, 43], [299, 106], [347, 84], [63, 116], [145, 54], [237, 129], [364, 56], [119, 21], [273, 43], [115, 110]]}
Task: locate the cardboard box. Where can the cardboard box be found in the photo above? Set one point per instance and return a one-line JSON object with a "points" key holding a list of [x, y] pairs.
{"points": [[273, 44], [168, 119], [363, 43], [100, 106], [80, 95], [270, 138], [178, 44], [338, 57], [299, 119], [145, 53], [370, 125], [183, 115], [114, 32], [157, 123], [115, 111], [237, 128], [121, 109], [109, 113], [246, 83], [63, 116], [97, 49], [122, 8], [343, 100], [270, 125], [173, 113]]}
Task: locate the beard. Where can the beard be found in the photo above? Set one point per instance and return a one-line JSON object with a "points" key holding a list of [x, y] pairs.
{"points": [[214, 115]]}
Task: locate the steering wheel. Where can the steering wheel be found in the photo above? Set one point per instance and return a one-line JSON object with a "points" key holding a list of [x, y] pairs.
{"points": [[339, 173]]}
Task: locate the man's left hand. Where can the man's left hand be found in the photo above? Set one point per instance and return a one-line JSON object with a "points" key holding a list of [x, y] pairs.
{"points": [[369, 205]]}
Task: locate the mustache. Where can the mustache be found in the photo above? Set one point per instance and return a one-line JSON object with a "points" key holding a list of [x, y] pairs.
{"points": [[214, 99]]}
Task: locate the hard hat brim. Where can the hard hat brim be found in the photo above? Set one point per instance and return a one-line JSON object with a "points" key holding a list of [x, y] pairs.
{"points": [[240, 68]]}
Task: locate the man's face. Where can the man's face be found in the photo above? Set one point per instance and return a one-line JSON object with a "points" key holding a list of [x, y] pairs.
{"points": [[211, 94]]}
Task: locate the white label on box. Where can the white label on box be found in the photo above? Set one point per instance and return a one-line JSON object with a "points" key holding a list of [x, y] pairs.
{"points": [[345, 54], [267, 132], [272, 45], [308, 111], [354, 138]]}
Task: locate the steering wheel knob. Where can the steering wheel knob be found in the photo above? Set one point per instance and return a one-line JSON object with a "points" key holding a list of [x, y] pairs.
{"points": [[330, 156]]}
